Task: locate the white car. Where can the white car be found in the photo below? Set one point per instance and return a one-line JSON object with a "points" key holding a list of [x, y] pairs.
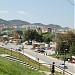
{"points": [[63, 66], [11, 49]]}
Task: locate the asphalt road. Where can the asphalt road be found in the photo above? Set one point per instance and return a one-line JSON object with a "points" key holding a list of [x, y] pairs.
{"points": [[47, 59]]}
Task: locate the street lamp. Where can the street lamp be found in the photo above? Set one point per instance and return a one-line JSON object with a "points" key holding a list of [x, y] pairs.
{"points": [[4, 50], [19, 54], [64, 61], [38, 62], [11, 51]]}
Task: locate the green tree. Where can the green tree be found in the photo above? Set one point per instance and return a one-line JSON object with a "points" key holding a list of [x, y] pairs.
{"points": [[30, 35], [69, 37], [47, 37], [72, 48], [39, 30], [19, 32]]}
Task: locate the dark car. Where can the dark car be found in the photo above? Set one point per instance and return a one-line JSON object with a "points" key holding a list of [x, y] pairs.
{"points": [[40, 51], [43, 48]]}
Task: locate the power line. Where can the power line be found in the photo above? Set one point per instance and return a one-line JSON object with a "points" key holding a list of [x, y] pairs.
{"points": [[71, 2]]}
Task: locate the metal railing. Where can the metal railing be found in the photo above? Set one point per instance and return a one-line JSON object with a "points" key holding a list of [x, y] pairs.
{"points": [[57, 68]]}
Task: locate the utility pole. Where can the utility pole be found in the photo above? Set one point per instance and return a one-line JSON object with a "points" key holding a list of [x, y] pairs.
{"points": [[64, 61]]}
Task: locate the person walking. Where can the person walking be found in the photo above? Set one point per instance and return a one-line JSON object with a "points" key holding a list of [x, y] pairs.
{"points": [[53, 68]]}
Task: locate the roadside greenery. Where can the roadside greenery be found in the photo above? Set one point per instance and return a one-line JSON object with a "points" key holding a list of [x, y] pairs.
{"points": [[47, 37], [30, 35], [27, 60], [8, 67], [20, 32], [24, 58], [61, 57], [66, 41]]}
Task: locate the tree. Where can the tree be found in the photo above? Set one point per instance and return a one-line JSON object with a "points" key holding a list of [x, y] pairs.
{"points": [[72, 48], [39, 30], [47, 37], [69, 37], [30, 35], [19, 32], [15, 35]]}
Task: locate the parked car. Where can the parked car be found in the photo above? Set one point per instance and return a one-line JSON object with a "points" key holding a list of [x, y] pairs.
{"points": [[43, 48], [10, 41], [62, 66], [40, 51], [11, 49], [2, 44], [33, 48], [18, 49], [36, 49]]}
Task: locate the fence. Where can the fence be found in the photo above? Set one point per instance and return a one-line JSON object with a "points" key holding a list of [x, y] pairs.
{"points": [[57, 68]]}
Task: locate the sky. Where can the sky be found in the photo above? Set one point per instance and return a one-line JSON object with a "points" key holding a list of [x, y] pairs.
{"points": [[60, 12]]}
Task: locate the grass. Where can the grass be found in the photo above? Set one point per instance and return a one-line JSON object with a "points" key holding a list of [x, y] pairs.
{"points": [[26, 59], [61, 56], [14, 68]]}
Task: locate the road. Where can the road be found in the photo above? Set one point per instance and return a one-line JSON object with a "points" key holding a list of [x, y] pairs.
{"points": [[49, 60], [46, 59]]}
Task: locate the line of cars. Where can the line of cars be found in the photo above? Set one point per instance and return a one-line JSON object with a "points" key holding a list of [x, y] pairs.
{"points": [[17, 49], [38, 50]]}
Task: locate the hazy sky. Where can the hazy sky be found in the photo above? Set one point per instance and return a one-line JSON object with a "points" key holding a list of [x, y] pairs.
{"points": [[59, 12]]}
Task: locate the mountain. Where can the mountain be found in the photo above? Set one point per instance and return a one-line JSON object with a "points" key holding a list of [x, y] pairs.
{"points": [[20, 23], [53, 26], [4, 22], [38, 24], [14, 22]]}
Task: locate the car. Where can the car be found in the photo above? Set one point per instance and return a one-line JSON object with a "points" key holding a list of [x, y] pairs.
{"points": [[43, 48], [18, 49], [63, 66], [11, 49], [37, 48], [33, 48], [40, 51], [2, 45], [10, 41]]}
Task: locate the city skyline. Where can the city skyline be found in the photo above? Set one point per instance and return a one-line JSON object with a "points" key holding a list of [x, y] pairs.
{"points": [[39, 11]]}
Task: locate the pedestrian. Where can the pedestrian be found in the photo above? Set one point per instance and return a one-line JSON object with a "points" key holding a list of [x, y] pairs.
{"points": [[53, 68], [46, 53]]}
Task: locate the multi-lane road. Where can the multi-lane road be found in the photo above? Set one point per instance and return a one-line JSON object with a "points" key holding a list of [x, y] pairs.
{"points": [[46, 59]]}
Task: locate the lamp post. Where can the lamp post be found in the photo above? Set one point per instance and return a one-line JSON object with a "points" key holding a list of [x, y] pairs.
{"points": [[11, 51], [64, 61], [4, 50], [19, 56], [38, 63]]}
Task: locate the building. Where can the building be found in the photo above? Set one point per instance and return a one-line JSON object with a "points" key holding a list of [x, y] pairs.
{"points": [[46, 30]]}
